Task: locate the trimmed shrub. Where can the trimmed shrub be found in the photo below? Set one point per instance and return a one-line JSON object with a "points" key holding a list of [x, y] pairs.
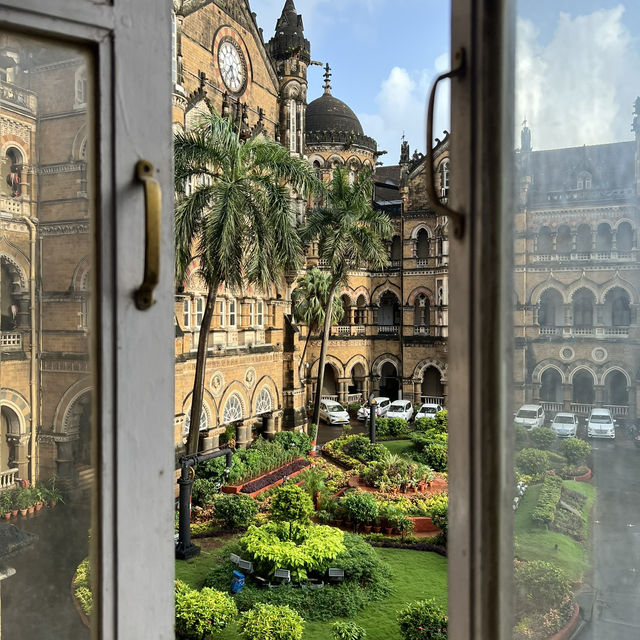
{"points": [[291, 504], [533, 462], [271, 622], [423, 620], [360, 506], [201, 613], [347, 631], [576, 451], [548, 499], [203, 491], [301, 549], [440, 515], [392, 427], [235, 511], [354, 450], [435, 455], [539, 586], [522, 435], [543, 437]]}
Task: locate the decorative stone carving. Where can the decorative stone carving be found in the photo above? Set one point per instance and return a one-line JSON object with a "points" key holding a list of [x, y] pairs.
{"points": [[217, 383], [250, 378]]}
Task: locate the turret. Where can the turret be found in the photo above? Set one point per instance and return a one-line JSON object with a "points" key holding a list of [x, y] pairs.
{"points": [[636, 128], [291, 54]]}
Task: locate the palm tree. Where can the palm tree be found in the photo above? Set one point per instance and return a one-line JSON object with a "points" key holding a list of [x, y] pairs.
{"points": [[350, 234], [309, 300], [238, 222]]}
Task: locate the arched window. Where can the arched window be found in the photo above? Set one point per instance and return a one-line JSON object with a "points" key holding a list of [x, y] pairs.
{"points": [[204, 421], [14, 173], [443, 169], [550, 312], [231, 307], [551, 386], [563, 240], [617, 308], [421, 311], [584, 180], [422, 245], [583, 302], [624, 237], [545, 241], [584, 240], [388, 313], [604, 238], [615, 389], [263, 402], [81, 87], [396, 249], [359, 314], [232, 410], [346, 307]]}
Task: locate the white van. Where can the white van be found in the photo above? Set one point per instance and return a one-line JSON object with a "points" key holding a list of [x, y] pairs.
{"points": [[529, 416], [601, 424]]}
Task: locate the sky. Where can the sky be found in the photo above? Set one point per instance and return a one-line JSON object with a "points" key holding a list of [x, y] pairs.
{"points": [[577, 65]]}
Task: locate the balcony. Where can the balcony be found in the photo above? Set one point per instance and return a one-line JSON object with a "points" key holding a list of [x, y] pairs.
{"points": [[600, 333], [581, 409], [14, 206], [617, 410], [388, 329], [8, 478], [421, 330], [551, 408], [432, 400], [422, 263], [347, 330], [11, 341], [549, 331], [585, 256], [394, 264], [17, 97]]}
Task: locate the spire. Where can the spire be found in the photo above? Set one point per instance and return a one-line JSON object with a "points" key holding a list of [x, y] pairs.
{"points": [[525, 137], [327, 79], [404, 150], [289, 35]]}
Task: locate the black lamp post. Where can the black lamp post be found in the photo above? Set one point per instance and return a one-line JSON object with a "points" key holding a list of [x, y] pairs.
{"points": [[373, 410], [184, 548]]}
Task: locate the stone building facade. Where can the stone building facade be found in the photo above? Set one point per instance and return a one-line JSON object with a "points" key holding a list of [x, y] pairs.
{"points": [[577, 277], [45, 261]]}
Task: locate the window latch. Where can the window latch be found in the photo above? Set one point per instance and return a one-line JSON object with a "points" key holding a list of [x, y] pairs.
{"points": [[457, 218]]}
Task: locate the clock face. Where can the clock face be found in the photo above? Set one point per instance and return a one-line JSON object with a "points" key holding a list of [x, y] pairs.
{"points": [[233, 68]]}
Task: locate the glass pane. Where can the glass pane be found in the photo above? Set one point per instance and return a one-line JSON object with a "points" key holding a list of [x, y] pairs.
{"points": [[576, 279], [47, 466]]}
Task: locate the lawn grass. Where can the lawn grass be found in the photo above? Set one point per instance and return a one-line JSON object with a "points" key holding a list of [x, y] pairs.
{"points": [[415, 575], [533, 543], [399, 447]]}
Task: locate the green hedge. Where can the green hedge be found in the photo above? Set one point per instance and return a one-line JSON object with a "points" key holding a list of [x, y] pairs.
{"points": [[545, 510], [235, 511], [533, 462], [543, 437], [576, 451], [354, 451], [392, 427], [271, 622], [201, 613], [347, 631], [423, 620]]}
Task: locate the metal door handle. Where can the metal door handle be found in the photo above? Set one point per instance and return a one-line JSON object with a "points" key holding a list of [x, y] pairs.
{"points": [[457, 218], [153, 209]]}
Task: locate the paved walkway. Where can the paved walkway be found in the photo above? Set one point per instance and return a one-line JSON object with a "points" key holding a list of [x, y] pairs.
{"points": [[36, 601]]}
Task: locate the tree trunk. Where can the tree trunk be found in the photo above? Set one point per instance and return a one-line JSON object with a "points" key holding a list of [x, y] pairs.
{"points": [[304, 351], [201, 366], [323, 353]]}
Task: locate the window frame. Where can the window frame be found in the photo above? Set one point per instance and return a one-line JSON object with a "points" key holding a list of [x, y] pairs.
{"points": [[480, 469]]}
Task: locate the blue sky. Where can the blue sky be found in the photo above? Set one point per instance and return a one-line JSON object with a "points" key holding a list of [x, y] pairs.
{"points": [[577, 66]]}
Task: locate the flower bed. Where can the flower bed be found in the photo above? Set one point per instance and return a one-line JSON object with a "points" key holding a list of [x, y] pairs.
{"points": [[268, 480], [423, 524]]}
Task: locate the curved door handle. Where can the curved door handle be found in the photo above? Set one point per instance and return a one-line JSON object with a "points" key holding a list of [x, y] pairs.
{"points": [[457, 218], [143, 296]]}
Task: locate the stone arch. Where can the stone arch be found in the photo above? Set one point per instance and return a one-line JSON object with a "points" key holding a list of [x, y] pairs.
{"points": [[10, 141], [618, 282], [77, 389], [208, 409], [349, 293], [551, 283], [416, 292], [582, 283], [18, 272], [81, 275], [582, 366], [334, 159], [625, 231], [317, 158], [79, 145], [536, 376], [615, 367], [616, 394], [382, 289], [423, 226], [378, 363], [235, 389], [353, 361], [420, 368], [266, 382], [333, 361], [354, 161], [19, 405], [361, 291]]}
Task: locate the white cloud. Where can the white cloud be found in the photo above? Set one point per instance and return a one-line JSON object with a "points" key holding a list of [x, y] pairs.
{"points": [[401, 108], [579, 87]]}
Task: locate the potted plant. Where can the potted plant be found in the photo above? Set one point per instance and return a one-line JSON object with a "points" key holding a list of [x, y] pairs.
{"points": [[24, 501], [404, 524], [38, 499], [13, 501], [313, 434], [377, 524], [389, 513]]}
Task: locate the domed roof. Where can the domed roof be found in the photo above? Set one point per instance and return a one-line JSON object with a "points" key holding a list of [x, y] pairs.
{"points": [[327, 113]]}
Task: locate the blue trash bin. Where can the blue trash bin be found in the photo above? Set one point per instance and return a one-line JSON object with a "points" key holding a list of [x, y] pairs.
{"points": [[237, 582]]}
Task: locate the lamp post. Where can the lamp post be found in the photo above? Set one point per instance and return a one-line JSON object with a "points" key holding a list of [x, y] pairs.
{"points": [[373, 410], [184, 547]]}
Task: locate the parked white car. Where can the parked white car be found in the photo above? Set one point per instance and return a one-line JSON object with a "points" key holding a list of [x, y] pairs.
{"points": [[601, 424], [333, 412], [382, 405], [400, 409], [530, 416], [565, 425], [429, 410]]}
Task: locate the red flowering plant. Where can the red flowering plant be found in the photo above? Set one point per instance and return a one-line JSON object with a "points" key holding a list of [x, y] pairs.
{"points": [[423, 620]]}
